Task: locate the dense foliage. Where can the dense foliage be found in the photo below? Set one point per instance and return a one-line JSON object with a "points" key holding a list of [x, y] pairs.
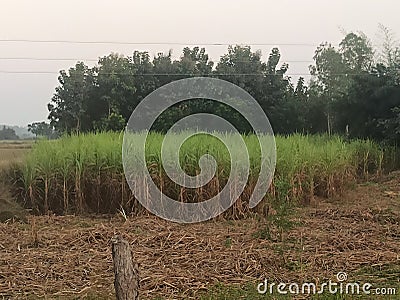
{"points": [[352, 90]]}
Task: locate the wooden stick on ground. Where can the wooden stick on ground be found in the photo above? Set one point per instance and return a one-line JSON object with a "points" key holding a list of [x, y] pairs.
{"points": [[126, 271]]}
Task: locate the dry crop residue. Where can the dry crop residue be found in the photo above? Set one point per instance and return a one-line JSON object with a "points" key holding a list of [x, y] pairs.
{"points": [[70, 257]]}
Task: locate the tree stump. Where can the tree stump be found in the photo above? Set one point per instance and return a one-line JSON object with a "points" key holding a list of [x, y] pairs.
{"points": [[126, 271]]}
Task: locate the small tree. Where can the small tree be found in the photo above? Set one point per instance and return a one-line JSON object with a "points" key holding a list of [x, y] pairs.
{"points": [[42, 129]]}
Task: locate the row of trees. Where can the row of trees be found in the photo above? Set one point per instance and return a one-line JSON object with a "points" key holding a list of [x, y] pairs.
{"points": [[7, 133], [350, 91]]}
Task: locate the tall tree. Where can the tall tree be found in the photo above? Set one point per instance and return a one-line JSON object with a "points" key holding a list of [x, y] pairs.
{"points": [[145, 82], [277, 98], [193, 62], [357, 52], [116, 85], [390, 53], [70, 102], [330, 80], [242, 67], [164, 69]]}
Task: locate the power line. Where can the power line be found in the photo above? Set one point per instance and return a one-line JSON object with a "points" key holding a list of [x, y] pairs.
{"points": [[47, 59], [91, 59], [187, 74], [155, 74], [150, 43], [146, 74], [39, 41], [27, 72]]}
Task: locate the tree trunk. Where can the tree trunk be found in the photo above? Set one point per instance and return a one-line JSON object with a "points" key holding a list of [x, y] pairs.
{"points": [[329, 124], [126, 271]]}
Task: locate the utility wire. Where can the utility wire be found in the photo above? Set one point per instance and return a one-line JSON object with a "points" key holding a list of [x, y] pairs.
{"points": [[187, 74], [91, 59], [149, 74], [150, 43], [47, 59]]}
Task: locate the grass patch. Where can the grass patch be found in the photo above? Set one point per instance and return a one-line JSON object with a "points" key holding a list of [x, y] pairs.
{"points": [[9, 156], [383, 275]]}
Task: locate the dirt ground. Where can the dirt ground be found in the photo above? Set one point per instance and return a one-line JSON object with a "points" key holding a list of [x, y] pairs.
{"points": [[70, 257]]}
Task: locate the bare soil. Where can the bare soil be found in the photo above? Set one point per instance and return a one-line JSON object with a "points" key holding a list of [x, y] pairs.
{"points": [[69, 257]]}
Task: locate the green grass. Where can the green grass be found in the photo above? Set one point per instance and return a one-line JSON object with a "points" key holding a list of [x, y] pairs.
{"points": [[385, 275], [84, 173]]}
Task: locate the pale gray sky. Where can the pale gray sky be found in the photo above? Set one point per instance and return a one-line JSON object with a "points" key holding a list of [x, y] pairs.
{"points": [[24, 97]]}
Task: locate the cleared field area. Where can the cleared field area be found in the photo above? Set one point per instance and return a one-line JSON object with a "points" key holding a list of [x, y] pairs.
{"points": [[70, 257], [13, 152]]}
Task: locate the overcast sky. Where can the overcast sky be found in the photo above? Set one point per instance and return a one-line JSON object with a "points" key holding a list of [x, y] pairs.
{"points": [[24, 97]]}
